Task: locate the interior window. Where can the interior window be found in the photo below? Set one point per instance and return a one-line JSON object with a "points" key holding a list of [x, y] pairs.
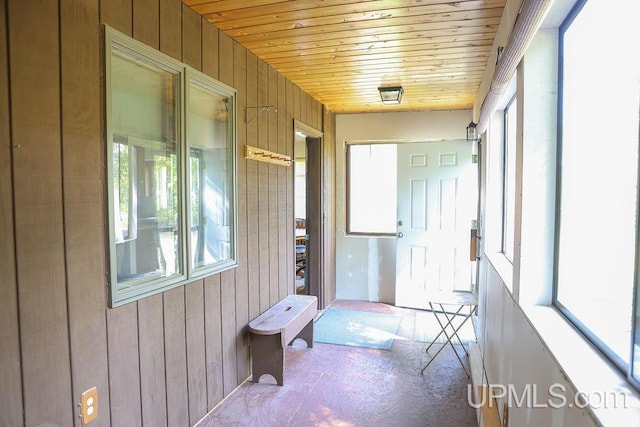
{"points": [[210, 176], [171, 171], [144, 123]]}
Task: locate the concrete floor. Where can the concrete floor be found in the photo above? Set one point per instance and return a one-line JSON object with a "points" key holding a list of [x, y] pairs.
{"points": [[333, 385]]}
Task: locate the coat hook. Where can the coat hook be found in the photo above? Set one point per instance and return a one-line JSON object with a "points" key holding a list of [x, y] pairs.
{"points": [[261, 109]]}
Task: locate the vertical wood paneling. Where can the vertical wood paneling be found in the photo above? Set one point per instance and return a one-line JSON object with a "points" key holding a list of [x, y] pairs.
{"points": [[296, 103], [225, 65], [263, 188], [177, 401], [37, 173], [303, 107], [196, 365], [316, 113], [146, 28], [210, 51], [194, 292], [312, 118], [124, 368], [117, 14], [213, 340], [314, 217], [83, 196], [252, 191], [241, 273], [145, 18], [122, 327], [10, 375], [311, 112], [191, 38], [274, 189], [170, 28], [229, 332], [176, 357], [153, 387], [212, 309], [329, 258], [289, 101], [286, 268], [168, 358], [227, 278]]}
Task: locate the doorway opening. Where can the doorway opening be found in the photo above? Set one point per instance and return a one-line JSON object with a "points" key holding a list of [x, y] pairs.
{"points": [[300, 211], [307, 210]]}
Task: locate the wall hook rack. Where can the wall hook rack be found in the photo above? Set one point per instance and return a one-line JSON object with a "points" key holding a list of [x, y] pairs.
{"points": [[261, 155], [260, 109]]}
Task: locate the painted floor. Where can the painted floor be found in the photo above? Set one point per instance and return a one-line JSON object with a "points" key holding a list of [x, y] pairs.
{"points": [[334, 385]]}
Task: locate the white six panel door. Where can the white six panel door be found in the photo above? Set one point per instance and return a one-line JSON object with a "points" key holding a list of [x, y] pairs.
{"points": [[437, 196]]}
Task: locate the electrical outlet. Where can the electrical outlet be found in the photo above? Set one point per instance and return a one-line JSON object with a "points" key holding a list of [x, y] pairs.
{"points": [[89, 406]]}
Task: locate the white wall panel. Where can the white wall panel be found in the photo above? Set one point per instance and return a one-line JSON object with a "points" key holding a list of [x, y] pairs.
{"points": [[518, 363]]}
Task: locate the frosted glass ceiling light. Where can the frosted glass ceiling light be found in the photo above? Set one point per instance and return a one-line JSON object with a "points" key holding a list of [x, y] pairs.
{"points": [[391, 95]]}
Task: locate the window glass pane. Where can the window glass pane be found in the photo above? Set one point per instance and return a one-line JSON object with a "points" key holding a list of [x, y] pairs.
{"points": [[144, 123], [598, 171], [509, 202], [372, 188], [210, 176]]}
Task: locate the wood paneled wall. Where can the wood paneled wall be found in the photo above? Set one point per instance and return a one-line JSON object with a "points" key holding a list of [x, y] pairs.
{"points": [[169, 358]]}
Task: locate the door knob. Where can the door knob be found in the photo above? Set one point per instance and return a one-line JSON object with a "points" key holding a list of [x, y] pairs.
{"points": [[400, 234]]}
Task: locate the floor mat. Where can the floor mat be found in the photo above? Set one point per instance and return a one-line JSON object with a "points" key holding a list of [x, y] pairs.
{"points": [[357, 328]]}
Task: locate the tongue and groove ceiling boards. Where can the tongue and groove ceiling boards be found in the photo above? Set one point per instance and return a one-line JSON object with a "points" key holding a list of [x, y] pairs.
{"points": [[341, 51]]}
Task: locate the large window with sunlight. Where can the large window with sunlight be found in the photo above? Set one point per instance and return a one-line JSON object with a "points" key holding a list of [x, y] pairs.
{"points": [[596, 220], [509, 179], [171, 171], [371, 189], [501, 148]]}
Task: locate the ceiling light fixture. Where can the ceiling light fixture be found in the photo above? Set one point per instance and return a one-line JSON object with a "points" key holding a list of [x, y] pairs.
{"points": [[391, 95]]}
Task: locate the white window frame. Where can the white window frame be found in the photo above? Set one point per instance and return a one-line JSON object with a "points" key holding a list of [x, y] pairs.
{"points": [[509, 178], [135, 289], [494, 220]]}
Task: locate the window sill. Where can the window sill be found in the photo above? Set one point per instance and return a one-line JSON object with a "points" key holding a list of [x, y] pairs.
{"points": [[593, 375], [503, 267]]}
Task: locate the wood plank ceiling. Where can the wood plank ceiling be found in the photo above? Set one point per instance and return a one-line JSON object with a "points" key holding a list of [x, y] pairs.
{"points": [[341, 51]]}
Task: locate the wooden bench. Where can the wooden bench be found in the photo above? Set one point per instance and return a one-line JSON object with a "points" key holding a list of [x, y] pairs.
{"points": [[279, 326]]}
